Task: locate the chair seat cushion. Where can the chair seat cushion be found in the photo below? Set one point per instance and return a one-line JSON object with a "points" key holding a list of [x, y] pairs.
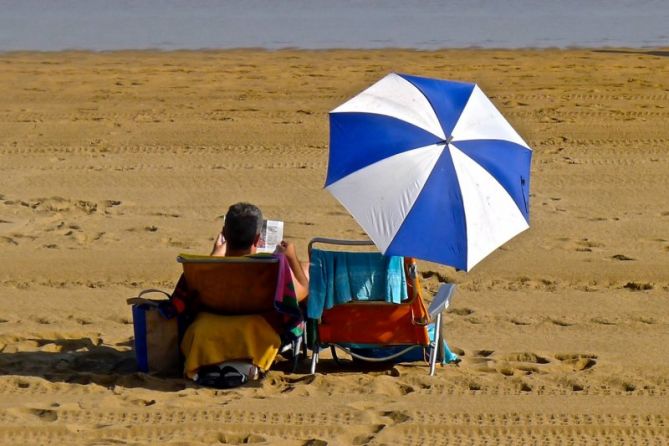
{"points": [[373, 323]]}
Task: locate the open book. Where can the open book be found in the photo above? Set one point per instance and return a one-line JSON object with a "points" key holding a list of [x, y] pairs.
{"points": [[270, 236]]}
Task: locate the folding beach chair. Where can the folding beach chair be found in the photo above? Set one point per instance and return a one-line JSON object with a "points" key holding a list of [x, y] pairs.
{"points": [[352, 324], [251, 285]]}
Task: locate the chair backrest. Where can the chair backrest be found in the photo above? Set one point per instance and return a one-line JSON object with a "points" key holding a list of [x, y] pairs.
{"points": [[374, 323], [398, 281], [233, 285]]}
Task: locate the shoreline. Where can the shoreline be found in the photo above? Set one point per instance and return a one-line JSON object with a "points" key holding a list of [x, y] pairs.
{"points": [[624, 49]]}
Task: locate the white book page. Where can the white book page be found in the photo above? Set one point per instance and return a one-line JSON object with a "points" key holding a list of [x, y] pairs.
{"points": [[270, 236]]}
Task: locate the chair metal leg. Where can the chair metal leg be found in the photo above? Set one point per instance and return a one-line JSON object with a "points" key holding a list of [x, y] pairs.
{"points": [[297, 344], [435, 345], [304, 345], [334, 355], [314, 360]]}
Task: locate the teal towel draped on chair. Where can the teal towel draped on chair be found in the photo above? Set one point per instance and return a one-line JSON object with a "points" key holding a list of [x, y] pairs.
{"points": [[339, 277]]}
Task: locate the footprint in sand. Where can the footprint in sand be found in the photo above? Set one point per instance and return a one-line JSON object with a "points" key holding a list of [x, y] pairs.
{"points": [[396, 416], [57, 204], [171, 215], [622, 258], [84, 321], [43, 414], [506, 371], [520, 364], [516, 321], [524, 387], [460, 311], [642, 319], [44, 320], [483, 354], [586, 245], [8, 241], [109, 205], [638, 286], [560, 323], [577, 361], [530, 357], [315, 442], [517, 370], [233, 438], [440, 277]]}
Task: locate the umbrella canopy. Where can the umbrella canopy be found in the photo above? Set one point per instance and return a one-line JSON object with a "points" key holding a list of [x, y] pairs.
{"points": [[430, 169]]}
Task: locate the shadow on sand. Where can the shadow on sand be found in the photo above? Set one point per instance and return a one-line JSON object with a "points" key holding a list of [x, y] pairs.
{"points": [[81, 361]]}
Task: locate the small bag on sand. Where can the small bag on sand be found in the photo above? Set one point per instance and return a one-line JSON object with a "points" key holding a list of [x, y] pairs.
{"points": [[156, 337]]}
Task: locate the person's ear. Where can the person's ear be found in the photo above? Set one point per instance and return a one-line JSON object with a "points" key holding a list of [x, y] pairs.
{"points": [[256, 239]]}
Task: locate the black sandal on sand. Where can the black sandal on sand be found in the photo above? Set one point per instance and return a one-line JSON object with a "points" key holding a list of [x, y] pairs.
{"points": [[220, 377]]}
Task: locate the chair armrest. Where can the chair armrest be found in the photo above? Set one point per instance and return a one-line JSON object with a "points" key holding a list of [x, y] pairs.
{"points": [[441, 300]]}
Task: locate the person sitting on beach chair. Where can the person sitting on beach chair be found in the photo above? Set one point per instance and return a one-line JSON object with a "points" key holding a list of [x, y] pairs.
{"points": [[242, 228], [223, 350]]}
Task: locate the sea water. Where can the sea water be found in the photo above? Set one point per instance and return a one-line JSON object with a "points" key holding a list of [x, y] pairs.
{"points": [[51, 25]]}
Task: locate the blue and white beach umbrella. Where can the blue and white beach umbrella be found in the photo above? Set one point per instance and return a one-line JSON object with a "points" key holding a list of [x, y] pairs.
{"points": [[430, 169]]}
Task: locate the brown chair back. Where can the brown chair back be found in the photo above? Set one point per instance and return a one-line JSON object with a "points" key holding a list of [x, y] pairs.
{"points": [[232, 285]]}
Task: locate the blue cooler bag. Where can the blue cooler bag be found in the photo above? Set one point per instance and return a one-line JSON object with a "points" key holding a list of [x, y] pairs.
{"points": [[156, 338]]}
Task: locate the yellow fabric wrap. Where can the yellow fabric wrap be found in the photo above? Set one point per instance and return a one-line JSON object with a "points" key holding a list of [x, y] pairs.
{"points": [[213, 338]]}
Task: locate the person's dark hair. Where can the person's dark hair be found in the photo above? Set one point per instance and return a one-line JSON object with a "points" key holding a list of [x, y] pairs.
{"points": [[243, 222]]}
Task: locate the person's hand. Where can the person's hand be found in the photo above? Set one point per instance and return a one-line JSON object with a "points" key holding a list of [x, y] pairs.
{"points": [[287, 249], [219, 246], [297, 269]]}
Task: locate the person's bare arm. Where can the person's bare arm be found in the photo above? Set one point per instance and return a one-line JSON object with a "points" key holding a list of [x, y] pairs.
{"points": [[300, 279], [218, 249]]}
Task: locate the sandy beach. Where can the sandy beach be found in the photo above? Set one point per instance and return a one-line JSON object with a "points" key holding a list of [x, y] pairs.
{"points": [[111, 164]]}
